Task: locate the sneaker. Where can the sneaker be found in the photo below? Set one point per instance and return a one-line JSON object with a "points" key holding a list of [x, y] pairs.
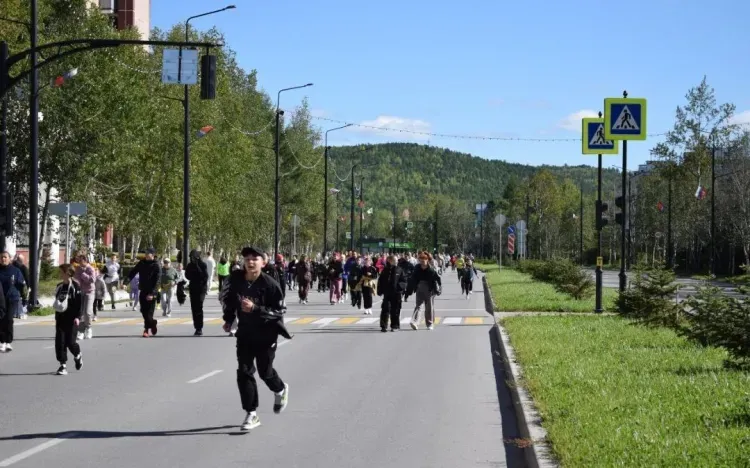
{"points": [[8, 347], [94, 319], [2, 347], [79, 361], [384, 330], [251, 422], [62, 370], [280, 400], [145, 334], [198, 333], [79, 336], [394, 329], [153, 329], [413, 325], [89, 334], [430, 327], [113, 307]]}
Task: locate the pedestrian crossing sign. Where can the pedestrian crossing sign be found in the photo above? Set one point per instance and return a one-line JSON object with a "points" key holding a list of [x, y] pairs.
{"points": [[624, 119], [593, 140]]}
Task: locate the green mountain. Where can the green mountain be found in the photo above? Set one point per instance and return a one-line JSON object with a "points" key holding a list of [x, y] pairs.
{"points": [[408, 172]]}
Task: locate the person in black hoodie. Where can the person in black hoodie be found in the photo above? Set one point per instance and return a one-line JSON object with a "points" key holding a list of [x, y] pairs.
{"points": [[67, 295], [148, 285], [426, 283], [197, 273], [256, 300], [391, 285]]}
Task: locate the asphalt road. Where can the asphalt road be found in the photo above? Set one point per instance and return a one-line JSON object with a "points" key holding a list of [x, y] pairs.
{"points": [[358, 397], [688, 286]]}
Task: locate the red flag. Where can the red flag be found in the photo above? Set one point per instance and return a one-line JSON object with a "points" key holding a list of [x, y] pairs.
{"points": [[660, 206]]}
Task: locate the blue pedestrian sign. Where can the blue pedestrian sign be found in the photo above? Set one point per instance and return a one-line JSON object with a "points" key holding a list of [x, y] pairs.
{"points": [[592, 138], [624, 119], [511, 229]]}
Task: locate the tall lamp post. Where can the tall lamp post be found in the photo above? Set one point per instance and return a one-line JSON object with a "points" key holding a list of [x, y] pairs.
{"points": [[325, 190], [277, 213], [186, 158]]}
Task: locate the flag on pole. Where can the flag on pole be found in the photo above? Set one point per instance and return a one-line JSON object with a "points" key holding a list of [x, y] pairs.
{"points": [[660, 206], [700, 193], [204, 131]]}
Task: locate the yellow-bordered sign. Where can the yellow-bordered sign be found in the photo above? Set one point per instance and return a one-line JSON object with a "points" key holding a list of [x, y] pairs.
{"points": [[592, 138], [625, 119]]}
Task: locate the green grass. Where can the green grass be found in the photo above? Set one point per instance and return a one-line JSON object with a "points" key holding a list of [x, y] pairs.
{"points": [[43, 312], [614, 394], [514, 291], [47, 287]]}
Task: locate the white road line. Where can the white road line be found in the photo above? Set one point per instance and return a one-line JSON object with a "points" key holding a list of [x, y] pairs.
{"points": [[114, 321], [369, 320], [205, 376], [282, 343], [35, 450], [452, 321], [48, 347], [325, 321]]}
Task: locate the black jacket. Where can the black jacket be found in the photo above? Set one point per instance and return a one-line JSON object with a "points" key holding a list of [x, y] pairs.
{"points": [[197, 273], [266, 321], [335, 270], [74, 310], [427, 274], [392, 281], [148, 284]]}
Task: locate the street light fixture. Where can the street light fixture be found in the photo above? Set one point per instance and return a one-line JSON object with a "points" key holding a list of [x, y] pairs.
{"points": [[277, 213], [186, 159], [325, 190]]}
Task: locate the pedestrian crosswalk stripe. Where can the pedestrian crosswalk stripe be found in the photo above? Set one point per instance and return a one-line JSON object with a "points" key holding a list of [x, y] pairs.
{"points": [[474, 320], [349, 320], [319, 321]]}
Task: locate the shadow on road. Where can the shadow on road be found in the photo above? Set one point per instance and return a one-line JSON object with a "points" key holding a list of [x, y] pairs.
{"points": [[514, 455], [116, 434]]}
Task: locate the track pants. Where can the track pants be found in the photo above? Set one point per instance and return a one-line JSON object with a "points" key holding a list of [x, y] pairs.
{"points": [[147, 311], [251, 352], [65, 340], [391, 309], [196, 307]]}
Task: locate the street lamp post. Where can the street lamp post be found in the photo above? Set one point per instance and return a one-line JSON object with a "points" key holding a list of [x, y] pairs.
{"points": [[34, 157], [325, 190], [186, 157], [277, 213]]}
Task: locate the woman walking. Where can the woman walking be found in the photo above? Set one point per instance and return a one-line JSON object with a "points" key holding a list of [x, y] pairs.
{"points": [[303, 270], [368, 284], [85, 276], [68, 315]]}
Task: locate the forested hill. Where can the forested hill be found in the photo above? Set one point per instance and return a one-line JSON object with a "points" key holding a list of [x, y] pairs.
{"points": [[399, 172]]}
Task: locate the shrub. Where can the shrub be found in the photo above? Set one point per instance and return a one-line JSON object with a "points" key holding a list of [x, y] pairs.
{"points": [[650, 298], [565, 275]]}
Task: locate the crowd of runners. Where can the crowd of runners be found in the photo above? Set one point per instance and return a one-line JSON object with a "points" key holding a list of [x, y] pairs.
{"points": [[253, 296]]}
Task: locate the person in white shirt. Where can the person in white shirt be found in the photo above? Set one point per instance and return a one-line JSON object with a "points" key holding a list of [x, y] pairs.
{"points": [[112, 277], [211, 265]]}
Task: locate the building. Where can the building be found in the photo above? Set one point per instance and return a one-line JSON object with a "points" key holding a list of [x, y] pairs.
{"points": [[127, 13]]}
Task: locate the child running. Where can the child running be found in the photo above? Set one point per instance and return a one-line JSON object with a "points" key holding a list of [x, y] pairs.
{"points": [[68, 316]]}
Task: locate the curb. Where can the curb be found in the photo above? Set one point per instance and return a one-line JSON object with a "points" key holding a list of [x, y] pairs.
{"points": [[538, 453]]}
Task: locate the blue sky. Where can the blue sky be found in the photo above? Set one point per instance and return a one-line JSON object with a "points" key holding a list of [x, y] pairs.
{"points": [[483, 67]]}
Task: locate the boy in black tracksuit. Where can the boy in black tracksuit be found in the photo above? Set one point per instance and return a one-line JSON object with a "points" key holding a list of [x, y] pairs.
{"points": [[256, 300], [66, 322], [149, 289], [391, 285], [197, 273]]}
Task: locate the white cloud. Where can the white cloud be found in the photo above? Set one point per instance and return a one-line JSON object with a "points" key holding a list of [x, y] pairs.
{"points": [[397, 128], [742, 118], [573, 121]]}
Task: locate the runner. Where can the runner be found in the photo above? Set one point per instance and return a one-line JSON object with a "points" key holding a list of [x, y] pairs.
{"points": [[68, 315], [255, 299], [467, 282], [335, 272], [391, 285], [148, 289], [303, 271], [197, 273], [367, 284], [425, 282]]}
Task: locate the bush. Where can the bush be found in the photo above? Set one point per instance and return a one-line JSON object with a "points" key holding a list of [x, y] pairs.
{"points": [[565, 275], [718, 320], [650, 298]]}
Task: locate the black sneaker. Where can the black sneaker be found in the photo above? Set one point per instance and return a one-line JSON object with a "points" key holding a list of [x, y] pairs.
{"points": [[62, 370], [280, 401], [198, 333], [153, 329], [384, 330], [79, 361]]}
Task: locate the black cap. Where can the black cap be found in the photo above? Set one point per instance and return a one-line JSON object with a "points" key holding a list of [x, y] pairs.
{"points": [[151, 251], [252, 250]]}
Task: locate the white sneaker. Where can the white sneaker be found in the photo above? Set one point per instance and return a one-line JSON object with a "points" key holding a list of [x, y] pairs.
{"points": [[369, 311], [8, 347], [94, 319], [430, 327], [62, 370], [251, 422], [2, 347], [89, 334], [413, 325]]}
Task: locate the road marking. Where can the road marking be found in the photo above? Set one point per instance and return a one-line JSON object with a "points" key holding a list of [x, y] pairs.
{"points": [[48, 347], [405, 320], [369, 320], [205, 376], [325, 321], [305, 320], [347, 320], [282, 343], [437, 320], [452, 321], [474, 321], [34, 450]]}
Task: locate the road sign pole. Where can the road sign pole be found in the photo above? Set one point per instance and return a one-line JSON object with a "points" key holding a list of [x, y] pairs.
{"points": [[598, 308], [623, 230]]}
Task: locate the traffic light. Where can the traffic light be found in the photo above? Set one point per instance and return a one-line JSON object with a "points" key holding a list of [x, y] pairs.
{"points": [[620, 203], [208, 77], [601, 221]]}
